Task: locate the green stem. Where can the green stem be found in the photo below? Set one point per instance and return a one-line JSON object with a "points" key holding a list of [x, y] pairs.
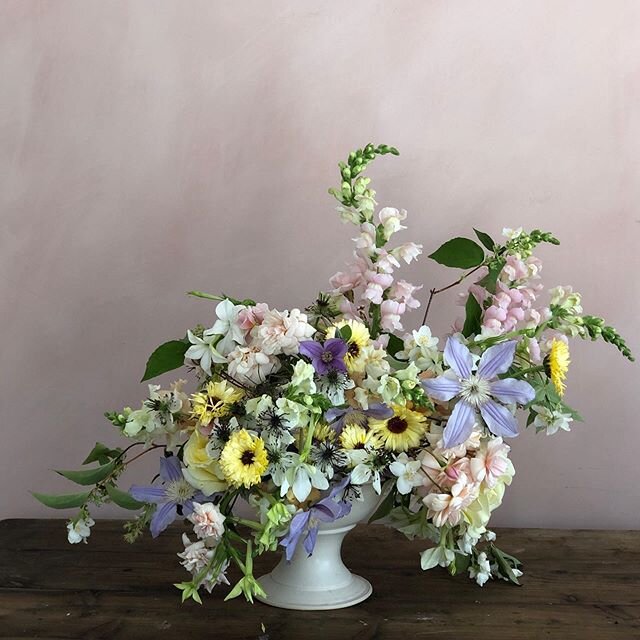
{"points": [[307, 442], [524, 372]]}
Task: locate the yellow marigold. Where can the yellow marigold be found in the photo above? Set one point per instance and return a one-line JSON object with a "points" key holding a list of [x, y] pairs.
{"points": [[400, 432], [214, 401], [244, 459], [558, 362]]}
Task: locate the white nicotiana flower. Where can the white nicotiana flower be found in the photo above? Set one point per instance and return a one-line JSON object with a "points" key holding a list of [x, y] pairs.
{"points": [[302, 377], [511, 234], [143, 419], [208, 521], [366, 472], [436, 556], [204, 350], [79, 531], [481, 571], [227, 326], [407, 472], [256, 406], [301, 477], [551, 421]]}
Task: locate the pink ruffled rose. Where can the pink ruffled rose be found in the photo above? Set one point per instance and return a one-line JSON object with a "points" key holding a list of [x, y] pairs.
{"points": [[208, 521], [251, 316], [491, 462]]}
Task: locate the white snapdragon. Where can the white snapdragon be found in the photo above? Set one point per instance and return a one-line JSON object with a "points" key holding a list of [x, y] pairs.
{"points": [[390, 218], [80, 530], [302, 377], [481, 570]]}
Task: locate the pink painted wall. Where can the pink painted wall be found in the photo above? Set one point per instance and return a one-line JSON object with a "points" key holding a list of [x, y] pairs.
{"points": [[149, 148]]}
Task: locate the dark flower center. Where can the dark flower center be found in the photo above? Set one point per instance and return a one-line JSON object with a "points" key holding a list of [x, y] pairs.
{"points": [[247, 457], [327, 356], [397, 425], [354, 350]]}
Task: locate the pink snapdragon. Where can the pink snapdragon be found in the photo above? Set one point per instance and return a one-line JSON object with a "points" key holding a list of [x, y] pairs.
{"points": [[391, 312], [408, 251], [351, 279], [376, 284], [403, 291]]}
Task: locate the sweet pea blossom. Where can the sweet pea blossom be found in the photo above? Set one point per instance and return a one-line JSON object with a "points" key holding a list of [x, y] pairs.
{"points": [[477, 390]]}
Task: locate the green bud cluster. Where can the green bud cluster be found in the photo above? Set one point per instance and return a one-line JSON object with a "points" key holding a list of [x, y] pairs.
{"points": [[354, 187], [118, 418], [596, 328], [525, 243]]}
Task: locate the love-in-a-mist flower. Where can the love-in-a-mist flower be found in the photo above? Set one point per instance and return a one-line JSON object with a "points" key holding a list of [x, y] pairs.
{"points": [[477, 389], [325, 357], [174, 492]]}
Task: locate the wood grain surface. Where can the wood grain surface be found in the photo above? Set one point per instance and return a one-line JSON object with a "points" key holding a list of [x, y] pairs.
{"points": [[577, 584]]}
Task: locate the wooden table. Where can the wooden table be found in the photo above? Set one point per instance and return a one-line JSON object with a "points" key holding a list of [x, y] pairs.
{"points": [[578, 584]]}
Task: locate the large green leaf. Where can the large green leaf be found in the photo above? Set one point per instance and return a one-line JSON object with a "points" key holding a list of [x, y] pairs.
{"points": [[486, 239], [459, 252], [123, 499], [395, 344], [67, 501], [384, 507], [166, 357], [88, 476], [473, 314], [101, 454]]}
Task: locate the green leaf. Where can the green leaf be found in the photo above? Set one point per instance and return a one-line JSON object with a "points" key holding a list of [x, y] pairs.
{"points": [[473, 313], [461, 563], [395, 344], [486, 239], [123, 499], [101, 454], [66, 501], [166, 357], [489, 281], [205, 296], [459, 252], [88, 476], [384, 507], [504, 565], [345, 332]]}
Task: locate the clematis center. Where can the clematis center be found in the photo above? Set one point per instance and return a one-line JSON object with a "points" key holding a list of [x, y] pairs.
{"points": [[179, 491], [475, 390], [327, 357]]}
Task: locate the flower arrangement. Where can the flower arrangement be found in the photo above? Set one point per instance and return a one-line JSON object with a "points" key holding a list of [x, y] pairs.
{"points": [[294, 411]]}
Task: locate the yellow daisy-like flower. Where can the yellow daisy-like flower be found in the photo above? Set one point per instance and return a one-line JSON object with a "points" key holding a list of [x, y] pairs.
{"points": [[323, 432], [355, 358], [215, 401], [558, 362], [402, 431], [354, 436], [244, 459]]}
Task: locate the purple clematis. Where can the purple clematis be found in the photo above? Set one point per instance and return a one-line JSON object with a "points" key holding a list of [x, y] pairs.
{"points": [[336, 417], [306, 522], [477, 390], [175, 492], [326, 357]]}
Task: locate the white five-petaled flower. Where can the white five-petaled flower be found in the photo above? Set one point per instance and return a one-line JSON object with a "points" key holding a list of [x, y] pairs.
{"points": [[79, 531], [407, 472], [204, 350], [227, 326]]}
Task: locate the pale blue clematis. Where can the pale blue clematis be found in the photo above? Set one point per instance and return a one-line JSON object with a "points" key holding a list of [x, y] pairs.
{"points": [[477, 390]]}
